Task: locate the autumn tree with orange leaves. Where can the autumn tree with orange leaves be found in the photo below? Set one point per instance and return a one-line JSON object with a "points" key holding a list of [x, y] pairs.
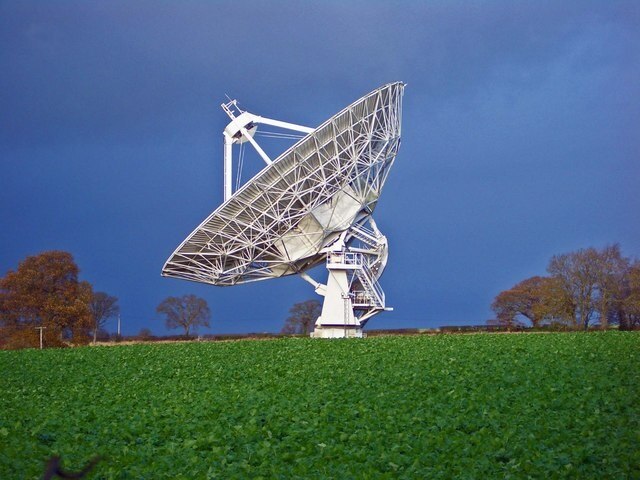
{"points": [[526, 301], [44, 291]]}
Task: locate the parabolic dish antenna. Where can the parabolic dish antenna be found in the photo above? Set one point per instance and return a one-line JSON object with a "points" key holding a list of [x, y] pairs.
{"points": [[310, 205]]}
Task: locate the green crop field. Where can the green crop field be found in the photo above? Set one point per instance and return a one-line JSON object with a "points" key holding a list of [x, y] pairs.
{"points": [[449, 406]]}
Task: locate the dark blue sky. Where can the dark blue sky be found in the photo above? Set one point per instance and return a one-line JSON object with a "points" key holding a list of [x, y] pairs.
{"points": [[520, 138]]}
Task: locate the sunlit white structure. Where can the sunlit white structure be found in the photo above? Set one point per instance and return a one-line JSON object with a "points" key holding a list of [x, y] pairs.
{"points": [[312, 204]]}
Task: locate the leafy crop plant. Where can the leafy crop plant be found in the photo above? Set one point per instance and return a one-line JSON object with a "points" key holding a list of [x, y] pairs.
{"points": [[448, 406]]}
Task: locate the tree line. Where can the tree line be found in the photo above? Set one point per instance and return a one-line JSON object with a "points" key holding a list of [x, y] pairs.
{"points": [[44, 296], [45, 292], [586, 288]]}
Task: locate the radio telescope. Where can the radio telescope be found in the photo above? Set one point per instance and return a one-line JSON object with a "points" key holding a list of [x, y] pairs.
{"points": [[310, 205]]}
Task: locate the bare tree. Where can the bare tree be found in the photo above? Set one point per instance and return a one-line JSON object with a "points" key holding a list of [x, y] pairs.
{"points": [[594, 281], [626, 309], [188, 312], [578, 275], [612, 271], [145, 334], [103, 307], [303, 317]]}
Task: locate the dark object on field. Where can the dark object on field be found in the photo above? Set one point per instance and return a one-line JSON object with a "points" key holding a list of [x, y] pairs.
{"points": [[54, 468]]}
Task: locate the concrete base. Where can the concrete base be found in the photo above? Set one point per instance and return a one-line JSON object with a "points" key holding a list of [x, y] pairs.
{"points": [[338, 331]]}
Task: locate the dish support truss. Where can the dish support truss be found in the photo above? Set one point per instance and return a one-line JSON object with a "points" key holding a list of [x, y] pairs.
{"points": [[308, 206]]}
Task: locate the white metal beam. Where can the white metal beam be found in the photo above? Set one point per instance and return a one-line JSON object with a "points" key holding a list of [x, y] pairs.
{"points": [[228, 166], [285, 125]]}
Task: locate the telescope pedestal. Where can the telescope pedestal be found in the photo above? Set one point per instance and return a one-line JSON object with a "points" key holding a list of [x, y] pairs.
{"points": [[337, 319], [339, 331]]}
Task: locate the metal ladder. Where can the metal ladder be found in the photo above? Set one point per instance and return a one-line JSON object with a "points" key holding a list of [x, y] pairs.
{"points": [[373, 294]]}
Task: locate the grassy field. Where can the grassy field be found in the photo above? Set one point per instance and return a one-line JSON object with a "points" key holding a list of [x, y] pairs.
{"points": [[447, 406]]}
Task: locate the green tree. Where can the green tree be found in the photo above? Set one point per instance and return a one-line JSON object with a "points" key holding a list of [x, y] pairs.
{"points": [[188, 312], [103, 307], [302, 317]]}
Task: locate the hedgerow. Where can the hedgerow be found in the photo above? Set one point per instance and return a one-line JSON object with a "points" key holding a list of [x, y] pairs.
{"points": [[445, 406]]}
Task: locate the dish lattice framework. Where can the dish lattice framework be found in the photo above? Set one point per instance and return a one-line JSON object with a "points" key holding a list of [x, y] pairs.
{"points": [[279, 222]]}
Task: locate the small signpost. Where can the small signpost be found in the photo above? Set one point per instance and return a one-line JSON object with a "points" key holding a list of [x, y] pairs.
{"points": [[41, 329]]}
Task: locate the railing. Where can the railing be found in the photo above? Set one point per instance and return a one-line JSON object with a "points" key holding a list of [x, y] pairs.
{"points": [[345, 258], [364, 234], [362, 298], [372, 295]]}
